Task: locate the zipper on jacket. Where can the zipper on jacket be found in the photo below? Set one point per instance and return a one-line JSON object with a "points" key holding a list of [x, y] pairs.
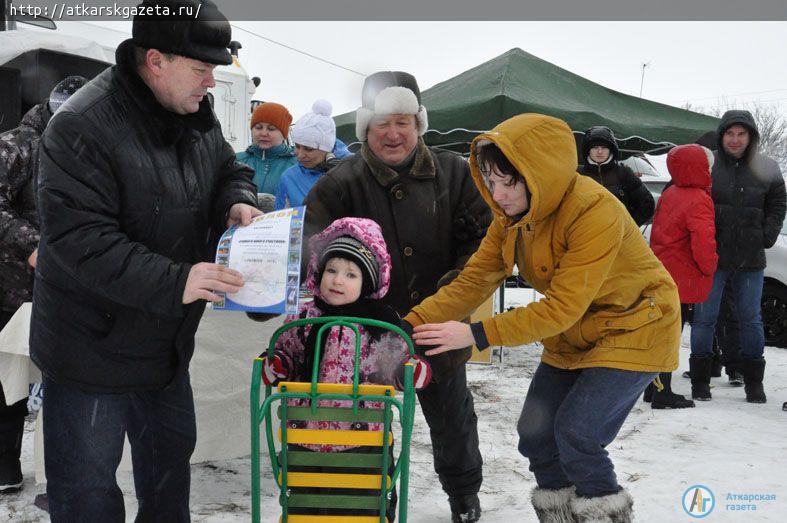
{"points": [[156, 213]]}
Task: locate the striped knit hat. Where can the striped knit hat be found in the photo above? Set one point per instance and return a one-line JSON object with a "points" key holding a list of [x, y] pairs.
{"points": [[355, 251]]}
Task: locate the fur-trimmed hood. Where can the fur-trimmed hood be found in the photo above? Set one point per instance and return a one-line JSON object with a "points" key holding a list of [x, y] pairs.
{"points": [[365, 231], [690, 166]]}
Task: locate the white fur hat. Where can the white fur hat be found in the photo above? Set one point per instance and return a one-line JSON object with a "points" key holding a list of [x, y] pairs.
{"points": [[316, 129], [389, 92]]}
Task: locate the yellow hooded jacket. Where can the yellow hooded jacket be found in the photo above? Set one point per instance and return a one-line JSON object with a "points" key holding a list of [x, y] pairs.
{"points": [[608, 301]]}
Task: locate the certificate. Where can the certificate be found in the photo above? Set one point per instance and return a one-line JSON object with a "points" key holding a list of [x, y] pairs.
{"points": [[268, 255]]}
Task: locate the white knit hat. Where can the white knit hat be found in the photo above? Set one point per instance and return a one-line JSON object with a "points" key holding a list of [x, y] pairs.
{"points": [[316, 129]]}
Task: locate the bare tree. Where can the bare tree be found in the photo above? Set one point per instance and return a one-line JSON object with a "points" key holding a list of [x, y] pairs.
{"points": [[771, 123]]}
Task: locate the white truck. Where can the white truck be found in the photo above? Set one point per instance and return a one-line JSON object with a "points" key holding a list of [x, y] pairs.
{"points": [[34, 59]]}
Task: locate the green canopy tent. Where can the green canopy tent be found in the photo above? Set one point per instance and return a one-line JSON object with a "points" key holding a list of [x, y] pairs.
{"points": [[517, 82]]}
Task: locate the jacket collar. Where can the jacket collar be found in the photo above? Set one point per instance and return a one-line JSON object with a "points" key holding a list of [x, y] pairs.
{"points": [[283, 149], [169, 128], [597, 168], [423, 165]]}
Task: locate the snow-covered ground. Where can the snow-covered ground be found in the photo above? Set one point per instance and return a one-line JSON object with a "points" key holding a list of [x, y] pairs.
{"points": [[729, 446]]}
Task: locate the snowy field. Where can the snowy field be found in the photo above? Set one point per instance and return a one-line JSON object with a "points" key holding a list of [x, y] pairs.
{"points": [[731, 447]]}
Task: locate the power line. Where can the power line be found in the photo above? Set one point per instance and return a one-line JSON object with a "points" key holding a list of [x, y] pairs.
{"points": [[271, 40], [728, 95]]}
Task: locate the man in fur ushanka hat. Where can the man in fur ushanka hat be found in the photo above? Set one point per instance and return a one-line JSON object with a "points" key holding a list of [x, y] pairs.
{"points": [[433, 219]]}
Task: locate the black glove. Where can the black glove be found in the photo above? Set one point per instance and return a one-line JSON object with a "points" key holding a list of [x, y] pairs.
{"points": [[261, 316], [448, 277]]}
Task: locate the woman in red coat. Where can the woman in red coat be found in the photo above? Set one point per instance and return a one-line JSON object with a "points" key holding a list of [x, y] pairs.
{"points": [[683, 238]]}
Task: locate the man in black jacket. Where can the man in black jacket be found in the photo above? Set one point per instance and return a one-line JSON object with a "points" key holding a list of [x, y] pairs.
{"points": [[749, 197], [600, 152], [433, 219], [136, 182]]}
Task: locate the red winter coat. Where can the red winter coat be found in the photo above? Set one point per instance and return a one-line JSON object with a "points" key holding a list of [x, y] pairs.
{"points": [[684, 230]]}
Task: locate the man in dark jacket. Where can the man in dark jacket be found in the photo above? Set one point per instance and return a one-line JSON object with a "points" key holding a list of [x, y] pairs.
{"points": [[749, 198], [18, 243], [433, 219], [136, 181], [601, 154]]}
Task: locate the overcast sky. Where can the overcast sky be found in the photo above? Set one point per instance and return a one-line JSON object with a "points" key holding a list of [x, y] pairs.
{"points": [[700, 62]]}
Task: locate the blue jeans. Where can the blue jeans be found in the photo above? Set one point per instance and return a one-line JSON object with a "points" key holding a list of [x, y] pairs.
{"points": [[746, 287], [568, 419], [84, 434]]}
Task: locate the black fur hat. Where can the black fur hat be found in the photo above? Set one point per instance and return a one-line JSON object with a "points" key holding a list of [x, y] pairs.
{"points": [[194, 29]]}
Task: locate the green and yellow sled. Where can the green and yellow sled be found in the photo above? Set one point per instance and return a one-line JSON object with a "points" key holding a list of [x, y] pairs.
{"points": [[337, 490]]}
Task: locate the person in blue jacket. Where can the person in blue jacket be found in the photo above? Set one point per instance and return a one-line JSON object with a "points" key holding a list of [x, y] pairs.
{"points": [[317, 149], [269, 153]]}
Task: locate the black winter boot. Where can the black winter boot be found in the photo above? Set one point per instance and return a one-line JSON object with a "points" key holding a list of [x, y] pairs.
{"points": [[716, 366], [465, 509], [647, 396], [700, 377], [10, 450], [666, 399], [553, 505], [612, 508], [753, 373]]}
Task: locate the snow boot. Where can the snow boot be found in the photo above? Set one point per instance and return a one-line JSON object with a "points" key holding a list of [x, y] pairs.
{"points": [[700, 377], [10, 451], [716, 366], [553, 505], [735, 378], [666, 399], [612, 508], [753, 373], [734, 374], [465, 509]]}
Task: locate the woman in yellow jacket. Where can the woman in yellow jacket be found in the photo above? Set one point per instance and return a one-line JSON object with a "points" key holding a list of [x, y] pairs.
{"points": [[609, 319]]}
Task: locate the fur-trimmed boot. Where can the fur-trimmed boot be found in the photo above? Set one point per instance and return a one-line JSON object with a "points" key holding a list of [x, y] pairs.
{"points": [[553, 505], [753, 373], [700, 377], [612, 508]]}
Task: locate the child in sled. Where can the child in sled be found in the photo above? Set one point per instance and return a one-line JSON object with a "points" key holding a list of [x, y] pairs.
{"points": [[349, 271]]}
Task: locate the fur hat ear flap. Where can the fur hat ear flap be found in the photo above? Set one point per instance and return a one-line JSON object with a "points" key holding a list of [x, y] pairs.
{"points": [[423, 121], [363, 117]]}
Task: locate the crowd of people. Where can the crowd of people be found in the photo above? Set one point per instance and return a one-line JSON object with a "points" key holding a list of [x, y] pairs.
{"points": [[110, 211]]}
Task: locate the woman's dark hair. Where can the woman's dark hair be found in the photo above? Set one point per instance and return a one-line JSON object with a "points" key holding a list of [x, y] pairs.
{"points": [[490, 155]]}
